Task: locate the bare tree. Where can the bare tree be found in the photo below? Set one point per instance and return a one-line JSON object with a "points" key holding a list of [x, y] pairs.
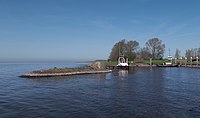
{"points": [[188, 53], [194, 52], [178, 54], [198, 52]]}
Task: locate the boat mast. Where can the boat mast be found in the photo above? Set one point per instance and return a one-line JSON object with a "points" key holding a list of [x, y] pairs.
{"points": [[170, 57], [119, 49]]}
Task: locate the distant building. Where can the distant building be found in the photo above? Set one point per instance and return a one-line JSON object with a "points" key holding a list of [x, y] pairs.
{"points": [[139, 60]]}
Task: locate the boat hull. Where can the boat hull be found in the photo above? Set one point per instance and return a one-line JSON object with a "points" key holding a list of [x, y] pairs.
{"points": [[123, 67], [171, 65]]}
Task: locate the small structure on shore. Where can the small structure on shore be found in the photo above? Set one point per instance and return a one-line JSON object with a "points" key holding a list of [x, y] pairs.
{"points": [[139, 60]]}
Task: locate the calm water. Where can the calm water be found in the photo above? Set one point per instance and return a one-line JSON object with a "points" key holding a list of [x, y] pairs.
{"points": [[139, 92]]}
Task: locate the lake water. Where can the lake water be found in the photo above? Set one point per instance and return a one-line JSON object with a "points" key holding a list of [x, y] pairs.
{"points": [[139, 92]]}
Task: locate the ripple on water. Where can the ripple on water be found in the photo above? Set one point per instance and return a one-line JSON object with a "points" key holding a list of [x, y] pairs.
{"points": [[140, 92]]}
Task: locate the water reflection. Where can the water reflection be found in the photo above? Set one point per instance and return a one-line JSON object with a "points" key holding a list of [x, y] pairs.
{"points": [[123, 73], [86, 76]]}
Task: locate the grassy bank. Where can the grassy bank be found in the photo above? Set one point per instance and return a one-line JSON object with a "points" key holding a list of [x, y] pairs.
{"points": [[110, 63], [61, 70]]}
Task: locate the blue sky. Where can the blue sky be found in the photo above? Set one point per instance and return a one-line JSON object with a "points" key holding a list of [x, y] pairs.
{"points": [[87, 29]]}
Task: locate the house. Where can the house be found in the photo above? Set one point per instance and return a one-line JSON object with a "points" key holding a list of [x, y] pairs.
{"points": [[139, 60]]}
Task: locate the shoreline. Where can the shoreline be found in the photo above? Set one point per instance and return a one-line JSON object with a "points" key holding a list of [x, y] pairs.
{"points": [[147, 65], [95, 67]]}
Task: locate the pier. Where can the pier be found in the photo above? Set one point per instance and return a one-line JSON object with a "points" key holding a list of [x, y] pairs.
{"points": [[112, 67], [190, 66]]}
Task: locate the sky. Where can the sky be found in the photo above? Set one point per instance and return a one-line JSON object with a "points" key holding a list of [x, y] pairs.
{"points": [[88, 29]]}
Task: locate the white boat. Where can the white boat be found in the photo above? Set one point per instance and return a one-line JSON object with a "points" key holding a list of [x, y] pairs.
{"points": [[168, 63], [122, 61]]}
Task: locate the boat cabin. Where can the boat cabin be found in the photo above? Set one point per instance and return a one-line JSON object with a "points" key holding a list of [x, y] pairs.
{"points": [[122, 61]]}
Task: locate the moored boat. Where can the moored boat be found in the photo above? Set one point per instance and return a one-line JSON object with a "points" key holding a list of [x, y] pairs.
{"points": [[122, 63], [168, 65]]}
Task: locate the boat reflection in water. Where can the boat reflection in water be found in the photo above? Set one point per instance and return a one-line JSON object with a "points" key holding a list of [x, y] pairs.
{"points": [[123, 74]]}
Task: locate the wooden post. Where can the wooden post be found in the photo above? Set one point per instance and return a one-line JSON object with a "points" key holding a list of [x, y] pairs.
{"points": [[197, 61], [150, 62], [171, 60], [185, 61], [181, 60], [191, 61]]}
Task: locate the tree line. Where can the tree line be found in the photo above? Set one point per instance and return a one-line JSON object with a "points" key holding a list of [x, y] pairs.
{"points": [[193, 52], [154, 48]]}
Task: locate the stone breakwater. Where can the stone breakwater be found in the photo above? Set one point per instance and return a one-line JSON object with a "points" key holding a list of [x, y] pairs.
{"points": [[64, 74], [95, 67]]}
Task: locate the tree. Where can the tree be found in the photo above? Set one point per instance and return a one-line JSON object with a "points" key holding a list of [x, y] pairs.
{"points": [[144, 53], [131, 47], [124, 48], [194, 52], [117, 50], [156, 48], [198, 52], [177, 54], [188, 53]]}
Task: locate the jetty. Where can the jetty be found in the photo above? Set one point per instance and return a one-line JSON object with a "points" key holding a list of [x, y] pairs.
{"points": [[95, 67], [38, 74], [190, 66]]}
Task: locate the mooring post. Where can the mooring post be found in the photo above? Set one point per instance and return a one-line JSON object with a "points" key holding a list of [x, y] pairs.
{"points": [[197, 61], [175, 60], [150, 62], [181, 62], [185, 61], [127, 60], [191, 61]]}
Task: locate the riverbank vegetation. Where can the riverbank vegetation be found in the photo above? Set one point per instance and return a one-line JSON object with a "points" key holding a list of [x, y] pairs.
{"points": [[154, 49], [146, 62], [194, 52]]}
